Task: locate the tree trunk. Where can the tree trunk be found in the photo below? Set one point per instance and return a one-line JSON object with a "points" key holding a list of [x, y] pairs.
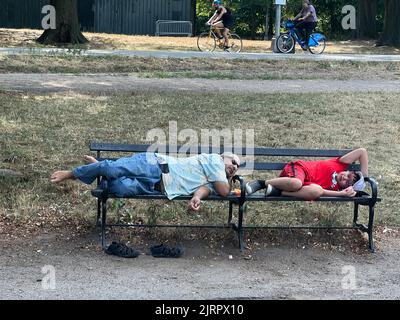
{"points": [[266, 23], [67, 24], [253, 28], [391, 26], [366, 19]]}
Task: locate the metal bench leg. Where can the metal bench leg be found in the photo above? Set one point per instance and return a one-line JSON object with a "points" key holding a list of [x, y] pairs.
{"points": [[98, 199], [103, 223], [98, 213], [230, 212], [355, 218], [371, 228], [240, 226]]}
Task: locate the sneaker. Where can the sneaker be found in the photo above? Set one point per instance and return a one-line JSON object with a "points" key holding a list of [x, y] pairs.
{"points": [[272, 191], [254, 186], [121, 250]]}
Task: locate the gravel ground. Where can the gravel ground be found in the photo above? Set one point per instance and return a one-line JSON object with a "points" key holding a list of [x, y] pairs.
{"points": [[280, 270]]}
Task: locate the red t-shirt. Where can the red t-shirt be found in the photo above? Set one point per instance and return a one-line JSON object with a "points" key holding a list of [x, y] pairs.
{"points": [[323, 172]]}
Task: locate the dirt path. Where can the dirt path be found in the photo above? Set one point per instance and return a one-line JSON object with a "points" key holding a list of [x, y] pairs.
{"points": [[280, 271], [99, 83]]}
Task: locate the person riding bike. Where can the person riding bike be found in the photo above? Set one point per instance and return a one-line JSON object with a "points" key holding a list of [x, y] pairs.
{"points": [[305, 22], [222, 19]]}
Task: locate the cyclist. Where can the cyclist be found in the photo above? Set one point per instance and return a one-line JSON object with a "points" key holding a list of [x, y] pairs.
{"points": [[222, 19], [305, 22]]}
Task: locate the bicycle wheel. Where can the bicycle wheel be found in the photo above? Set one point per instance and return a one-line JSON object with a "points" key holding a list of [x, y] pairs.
{"points": [[285, 43], [317, 43], [206, 42], [235, 43]]}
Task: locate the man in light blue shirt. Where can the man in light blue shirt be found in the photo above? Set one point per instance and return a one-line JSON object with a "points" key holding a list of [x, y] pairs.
{"points": [[186, 175], [199, 175]]}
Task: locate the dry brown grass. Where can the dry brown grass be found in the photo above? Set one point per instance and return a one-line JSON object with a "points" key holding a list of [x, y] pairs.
{"points": [[201, 68], [26, 38], [41, 134]]}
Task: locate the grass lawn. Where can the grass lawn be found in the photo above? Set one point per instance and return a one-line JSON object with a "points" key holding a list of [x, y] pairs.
{"points": [[43, 133], [201, 68]]}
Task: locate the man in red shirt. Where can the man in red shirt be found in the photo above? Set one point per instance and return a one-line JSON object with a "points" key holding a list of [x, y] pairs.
{"points": [[312, 179]]}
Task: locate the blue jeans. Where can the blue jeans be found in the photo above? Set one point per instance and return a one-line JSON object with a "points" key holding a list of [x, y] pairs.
{"points": [[126, 176]]}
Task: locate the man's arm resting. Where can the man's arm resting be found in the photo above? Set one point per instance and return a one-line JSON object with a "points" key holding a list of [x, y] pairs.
{"points": [[348, 192], [201, 193], [222, 188]]}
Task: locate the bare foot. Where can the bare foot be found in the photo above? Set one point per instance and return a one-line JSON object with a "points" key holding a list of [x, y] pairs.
{"points": [[59, 176], [89, 159]]}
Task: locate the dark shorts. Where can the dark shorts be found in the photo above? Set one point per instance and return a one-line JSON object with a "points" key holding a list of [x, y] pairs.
{"points": [[292, 170], [309, 26], [229, 23]]}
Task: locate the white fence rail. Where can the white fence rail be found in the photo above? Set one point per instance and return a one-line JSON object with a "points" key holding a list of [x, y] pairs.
{"points": [[173, 27]]}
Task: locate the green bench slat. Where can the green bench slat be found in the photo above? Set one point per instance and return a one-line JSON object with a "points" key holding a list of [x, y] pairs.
{"points": [[199, 149]]}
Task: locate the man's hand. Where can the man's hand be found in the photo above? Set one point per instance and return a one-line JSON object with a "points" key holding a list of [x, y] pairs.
{"points": [[348, 192], [194, 203]]}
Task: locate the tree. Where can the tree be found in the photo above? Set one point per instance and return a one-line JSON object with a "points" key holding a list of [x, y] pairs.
{"points": [[391, 25], [67, 24], [251, 16], [366, 19]]}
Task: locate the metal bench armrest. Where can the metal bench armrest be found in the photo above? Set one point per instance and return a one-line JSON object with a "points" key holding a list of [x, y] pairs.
{"points": [[242, 198], [374, 189], [102, 189]]}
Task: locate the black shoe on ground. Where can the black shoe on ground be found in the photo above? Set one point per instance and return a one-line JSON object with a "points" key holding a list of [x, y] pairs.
{"points": [[121, 250], [163, 251]]}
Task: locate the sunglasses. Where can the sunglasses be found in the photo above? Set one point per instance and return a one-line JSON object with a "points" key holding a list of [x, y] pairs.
{"points": [[234, 162]]}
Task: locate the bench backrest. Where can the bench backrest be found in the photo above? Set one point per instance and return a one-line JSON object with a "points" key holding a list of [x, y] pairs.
{"points": [[261, 165]]}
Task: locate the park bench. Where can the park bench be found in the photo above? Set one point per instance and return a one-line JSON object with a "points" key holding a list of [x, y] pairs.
{"points": [[239, 200]]}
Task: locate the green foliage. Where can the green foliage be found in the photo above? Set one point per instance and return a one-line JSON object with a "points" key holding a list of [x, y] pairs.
{"points": [[250, 16]]}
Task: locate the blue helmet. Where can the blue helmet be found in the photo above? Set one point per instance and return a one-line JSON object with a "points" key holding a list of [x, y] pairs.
{"points": [[216, 3]]}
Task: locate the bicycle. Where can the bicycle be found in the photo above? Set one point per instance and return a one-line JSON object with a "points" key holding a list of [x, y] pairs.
{"points": [[286, 41], [208, 41]]}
